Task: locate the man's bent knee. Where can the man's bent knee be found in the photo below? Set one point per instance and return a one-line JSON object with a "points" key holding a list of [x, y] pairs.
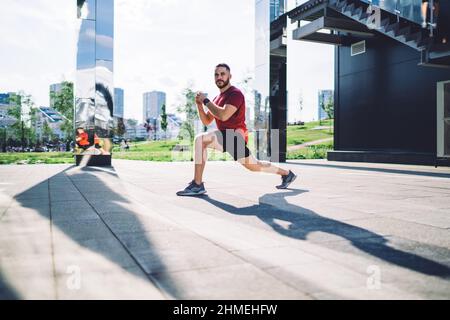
{"points": [[252, 166], [202, 140]]}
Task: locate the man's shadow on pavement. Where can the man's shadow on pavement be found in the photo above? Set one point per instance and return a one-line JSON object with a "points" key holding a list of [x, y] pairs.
{"points": [[102, 227], [6, 291], [303, 221]]}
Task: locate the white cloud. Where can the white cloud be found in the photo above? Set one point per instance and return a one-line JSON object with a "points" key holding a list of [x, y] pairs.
{"points": [[38, 41], [180, 41], [159, 45]]}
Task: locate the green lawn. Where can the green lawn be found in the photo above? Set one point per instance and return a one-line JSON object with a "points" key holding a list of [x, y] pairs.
{"points": [[163, 150], [147, 150], [318, 151], [301, 134], [306, 133], [36, 157]]}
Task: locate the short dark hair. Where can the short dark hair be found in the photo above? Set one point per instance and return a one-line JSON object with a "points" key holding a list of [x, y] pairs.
{"points": [[224, 65]]}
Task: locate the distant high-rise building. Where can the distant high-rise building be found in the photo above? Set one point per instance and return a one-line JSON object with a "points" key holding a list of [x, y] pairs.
{"points": [[118, 103], [325, 96], [53, 119], [55, 88], [4, 98], [6, 120], [153, 102]]}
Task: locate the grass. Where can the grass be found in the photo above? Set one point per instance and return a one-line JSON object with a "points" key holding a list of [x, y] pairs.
{"points": [[306, 133], [318, 151], [36, 157], [147, 150], [163, 150], [301, 134]]}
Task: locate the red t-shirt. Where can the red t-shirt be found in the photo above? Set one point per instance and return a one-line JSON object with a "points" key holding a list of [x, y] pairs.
{"points": [[234, 97]]}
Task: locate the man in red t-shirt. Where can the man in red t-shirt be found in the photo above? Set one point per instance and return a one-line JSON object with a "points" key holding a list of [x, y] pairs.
{"points": [[228, 110]]}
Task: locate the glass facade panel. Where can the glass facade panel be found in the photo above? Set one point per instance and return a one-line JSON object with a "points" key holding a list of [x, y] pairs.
{"points": [[447, 119], [104, 98], [86, 9], [408, 9], [104, 29], [261, 83], [86, 45], [94, 89]]}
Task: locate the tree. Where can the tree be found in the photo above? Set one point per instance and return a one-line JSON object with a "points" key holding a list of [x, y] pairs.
{"points": [[300, 103], [24, 111], [31, 128], [62, 101], [47, 131], [322, 106], [164, 119], [246, 86], [131, 123], [190, 110], [119, 127], [329, 109]]}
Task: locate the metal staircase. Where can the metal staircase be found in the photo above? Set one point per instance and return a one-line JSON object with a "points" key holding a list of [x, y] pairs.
{"points": [[322, 14]]}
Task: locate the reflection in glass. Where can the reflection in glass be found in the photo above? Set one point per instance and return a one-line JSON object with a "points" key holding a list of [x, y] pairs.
{"points": [[86, 45], [94, 89], [85, 83], [89, 143], [447, 119], [105, 29], [447, 100], [86, 9], [104, 101], [408, 9], [84, 113], [261, 84]]}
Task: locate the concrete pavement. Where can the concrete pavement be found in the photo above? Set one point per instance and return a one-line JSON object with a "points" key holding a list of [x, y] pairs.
{"points": [[342, 231]]}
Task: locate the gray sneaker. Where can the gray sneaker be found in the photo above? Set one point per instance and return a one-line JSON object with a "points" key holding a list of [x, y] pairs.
{"points": [[287, 180], [192, 189]]}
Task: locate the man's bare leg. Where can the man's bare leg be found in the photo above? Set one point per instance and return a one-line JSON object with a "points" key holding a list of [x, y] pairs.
{"points": [[252, 164], [201, 144]]}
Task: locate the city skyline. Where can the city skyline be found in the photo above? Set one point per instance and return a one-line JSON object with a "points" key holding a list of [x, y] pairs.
{"points": [[155, 47], [152, 104]]}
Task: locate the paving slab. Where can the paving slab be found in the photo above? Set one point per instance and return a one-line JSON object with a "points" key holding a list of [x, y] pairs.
{"points": [[341, 231]]}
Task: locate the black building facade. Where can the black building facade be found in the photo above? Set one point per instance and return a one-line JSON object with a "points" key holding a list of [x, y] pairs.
{"points": [[386, 104], [392, 78]]}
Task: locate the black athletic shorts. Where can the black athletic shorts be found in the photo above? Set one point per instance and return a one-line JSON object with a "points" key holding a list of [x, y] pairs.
{"points": [[233, 143], [435, 1]]}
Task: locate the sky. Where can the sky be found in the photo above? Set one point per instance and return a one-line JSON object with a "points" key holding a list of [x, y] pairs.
{"points": [[163, 45]]}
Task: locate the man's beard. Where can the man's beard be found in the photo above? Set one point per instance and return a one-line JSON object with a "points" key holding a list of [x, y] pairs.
{"points": [[224, 84]]}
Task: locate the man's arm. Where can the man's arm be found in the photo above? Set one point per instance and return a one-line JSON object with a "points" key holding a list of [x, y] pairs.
{"points": [[222, 113], [205, 117]]}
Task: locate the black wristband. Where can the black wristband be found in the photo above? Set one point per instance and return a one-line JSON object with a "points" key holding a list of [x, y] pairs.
{"points": [[205, 101]]}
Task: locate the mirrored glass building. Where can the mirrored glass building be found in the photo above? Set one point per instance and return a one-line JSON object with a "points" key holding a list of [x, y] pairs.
{"points": [[94, 90]]}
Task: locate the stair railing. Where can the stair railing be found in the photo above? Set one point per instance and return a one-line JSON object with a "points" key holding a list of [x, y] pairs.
{"points": [[397, 10], [432, 24]]}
